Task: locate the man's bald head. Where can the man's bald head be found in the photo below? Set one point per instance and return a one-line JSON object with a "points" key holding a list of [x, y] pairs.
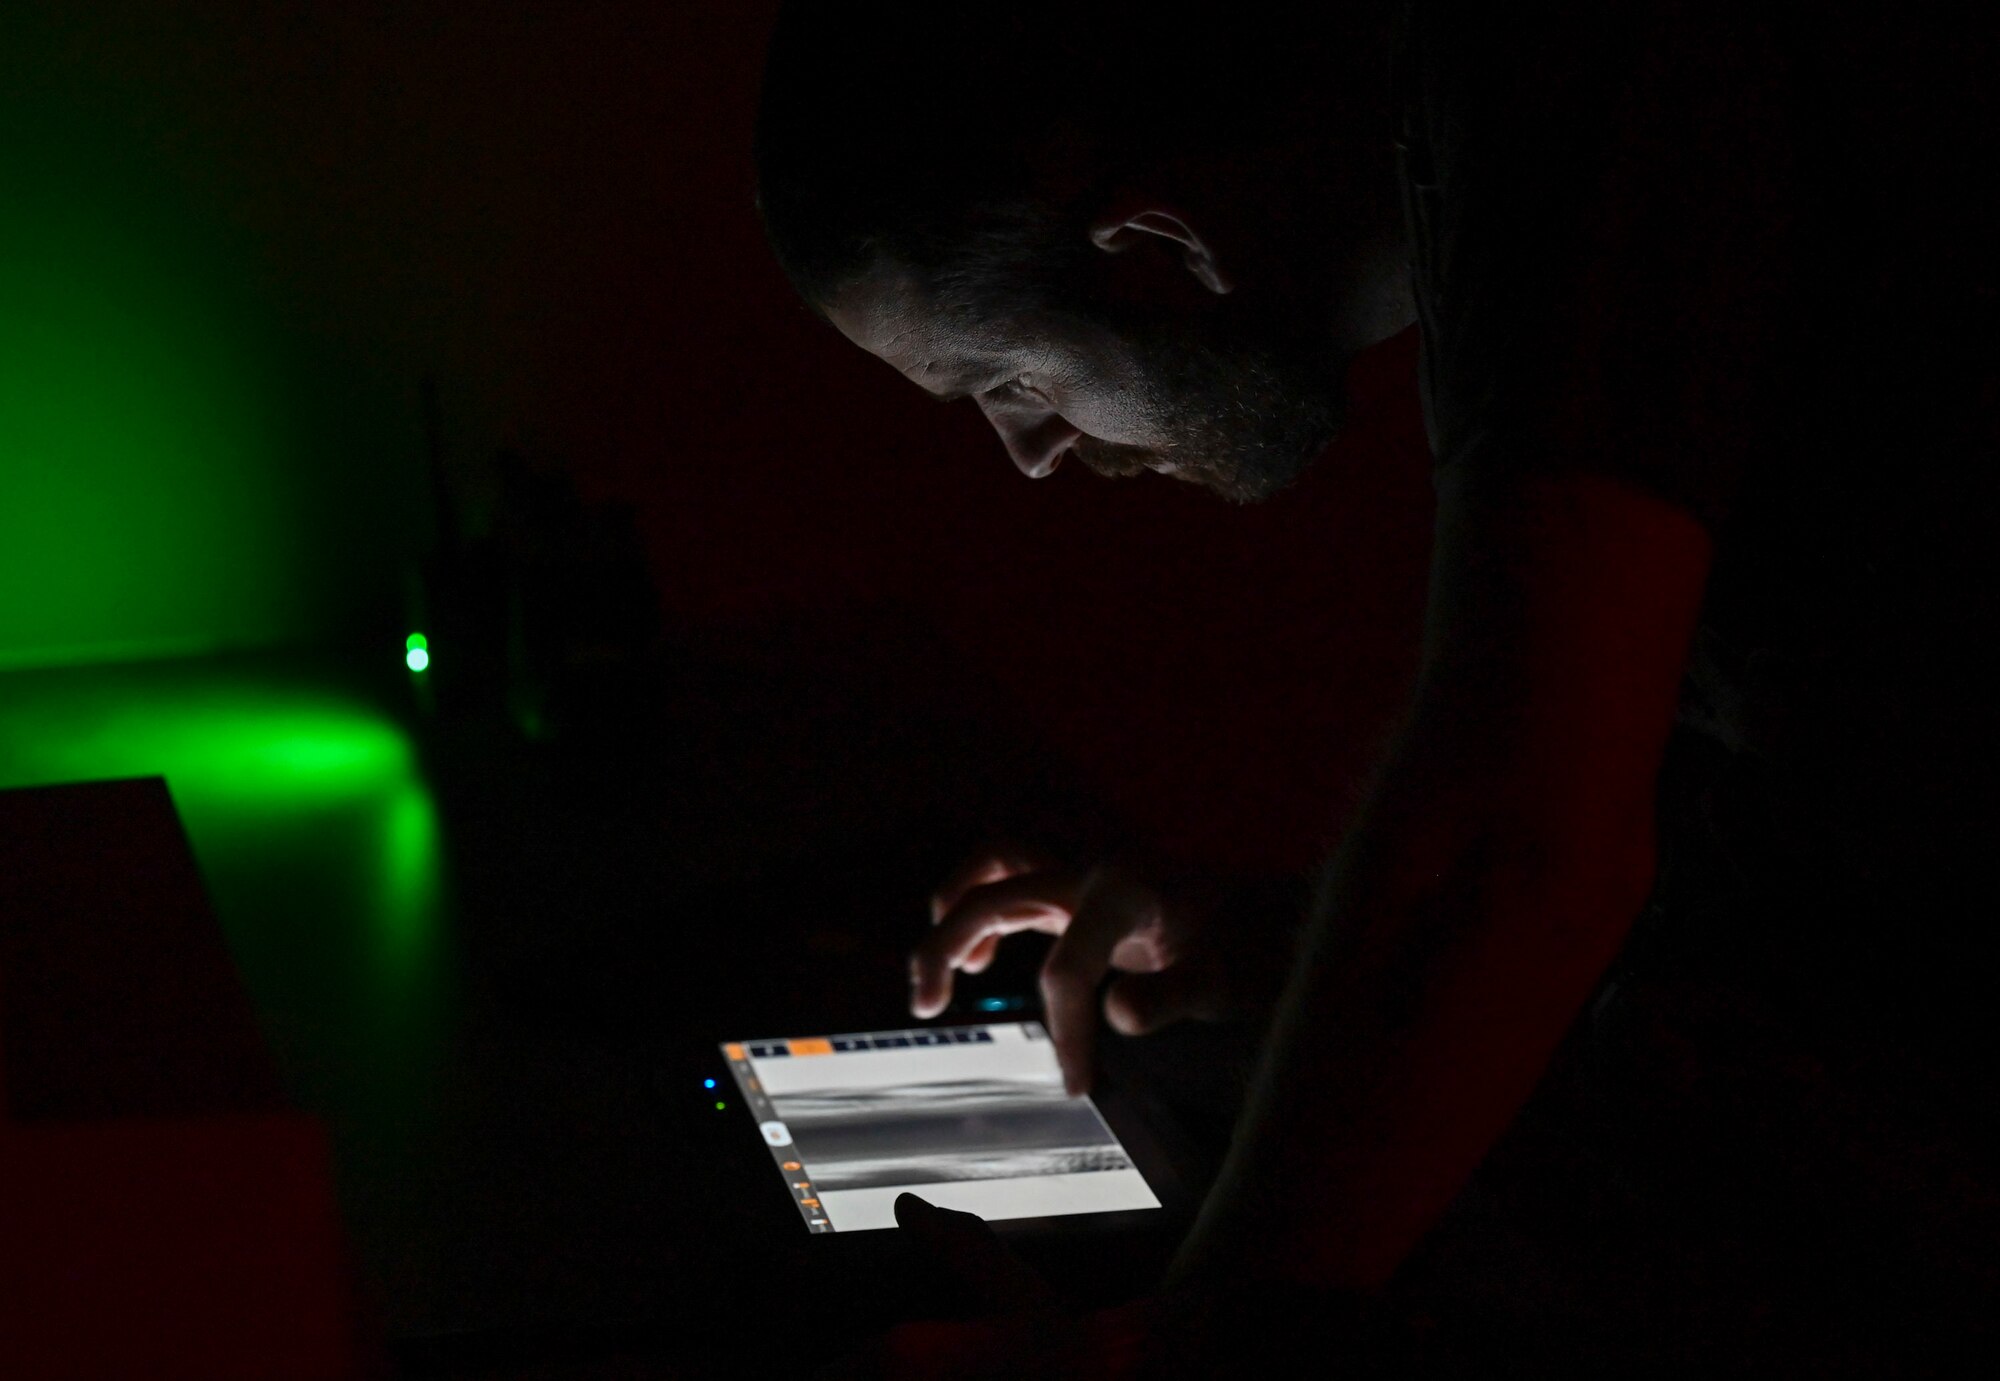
{"points": [[937, 134], [1127, 234]]}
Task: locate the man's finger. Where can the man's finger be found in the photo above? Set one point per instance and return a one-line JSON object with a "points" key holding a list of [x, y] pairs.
{"points": [[1041, 901], [966, 1245], [993, 864], [1110, 908], [981, 955]]}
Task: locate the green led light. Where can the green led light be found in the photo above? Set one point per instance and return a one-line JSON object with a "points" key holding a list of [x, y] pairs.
{"points": [[720, 1106], [416, 642], [416, 659]]}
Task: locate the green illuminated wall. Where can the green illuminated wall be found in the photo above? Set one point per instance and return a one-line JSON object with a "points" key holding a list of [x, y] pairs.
{"points": [[184, 463], [143, 505], [314, 828], [265, 771]]}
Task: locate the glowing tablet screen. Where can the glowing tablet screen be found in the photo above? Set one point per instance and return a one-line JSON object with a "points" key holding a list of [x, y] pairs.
{"points": [[967, 1117]]}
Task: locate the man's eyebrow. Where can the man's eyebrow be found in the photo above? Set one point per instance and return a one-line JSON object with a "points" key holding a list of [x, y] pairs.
{"points": [[972, 378], [956, 394]]}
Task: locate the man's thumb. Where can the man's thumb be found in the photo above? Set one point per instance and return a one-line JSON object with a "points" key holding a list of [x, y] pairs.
{"points": [[1141, 1003], [966, 1245]]}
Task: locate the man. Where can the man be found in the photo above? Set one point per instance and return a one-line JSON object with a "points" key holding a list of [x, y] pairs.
{"points": [[1709, 375]]}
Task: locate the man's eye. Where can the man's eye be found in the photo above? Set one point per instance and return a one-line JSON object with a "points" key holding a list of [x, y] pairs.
{"points": [[1016, 387]]}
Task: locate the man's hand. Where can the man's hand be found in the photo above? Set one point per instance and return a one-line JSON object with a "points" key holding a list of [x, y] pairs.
{"points": [[1022, 1328], [966, 1248], [1177, 954]]}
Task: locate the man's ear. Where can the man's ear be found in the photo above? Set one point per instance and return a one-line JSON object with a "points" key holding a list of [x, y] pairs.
{"points": [[1132, 222]]}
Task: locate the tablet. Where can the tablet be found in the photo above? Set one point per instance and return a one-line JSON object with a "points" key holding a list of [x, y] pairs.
{"points": [[967, 1117]]}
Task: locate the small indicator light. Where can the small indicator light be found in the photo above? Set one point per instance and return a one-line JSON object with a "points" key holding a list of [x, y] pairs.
{"points": [[720, 1105], [416, 659], [708, 1083], [992, 1004]]}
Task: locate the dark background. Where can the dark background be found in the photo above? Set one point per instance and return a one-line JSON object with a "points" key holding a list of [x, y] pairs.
{"points": [[324, 322]]}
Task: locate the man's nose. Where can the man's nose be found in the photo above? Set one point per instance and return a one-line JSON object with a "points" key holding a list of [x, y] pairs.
{"points": [[1036, 447]]}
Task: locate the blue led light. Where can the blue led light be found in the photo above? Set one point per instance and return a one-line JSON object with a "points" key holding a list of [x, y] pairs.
{"points": [[992, 1004], [708, 1083]]}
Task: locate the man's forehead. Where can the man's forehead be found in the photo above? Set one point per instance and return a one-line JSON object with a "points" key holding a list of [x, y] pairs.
{"points": [[884, 314]]}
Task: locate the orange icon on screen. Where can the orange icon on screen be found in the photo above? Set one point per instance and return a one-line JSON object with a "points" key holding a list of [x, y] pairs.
{"points": [[793, 1165], [810, 1047], [810, 1203], [733, 1051]]}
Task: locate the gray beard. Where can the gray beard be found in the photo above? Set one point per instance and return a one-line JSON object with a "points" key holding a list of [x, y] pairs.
{"points": [[1244, 424]]}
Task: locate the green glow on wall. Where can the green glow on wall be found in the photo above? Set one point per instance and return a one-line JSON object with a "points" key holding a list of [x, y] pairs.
{"points": [[411, 877], [219, 748], [205, 442], [298, 799], [144, 498]]}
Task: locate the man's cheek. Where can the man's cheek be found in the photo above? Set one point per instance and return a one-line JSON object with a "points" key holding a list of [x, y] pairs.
{"points": [[1109, 425]]}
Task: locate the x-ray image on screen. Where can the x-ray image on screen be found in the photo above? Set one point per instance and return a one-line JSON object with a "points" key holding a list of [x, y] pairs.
{"points": [[972, 1118]]}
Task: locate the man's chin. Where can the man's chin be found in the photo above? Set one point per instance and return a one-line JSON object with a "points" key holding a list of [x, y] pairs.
{"points": [[1239, 484], [1122, 465]]}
